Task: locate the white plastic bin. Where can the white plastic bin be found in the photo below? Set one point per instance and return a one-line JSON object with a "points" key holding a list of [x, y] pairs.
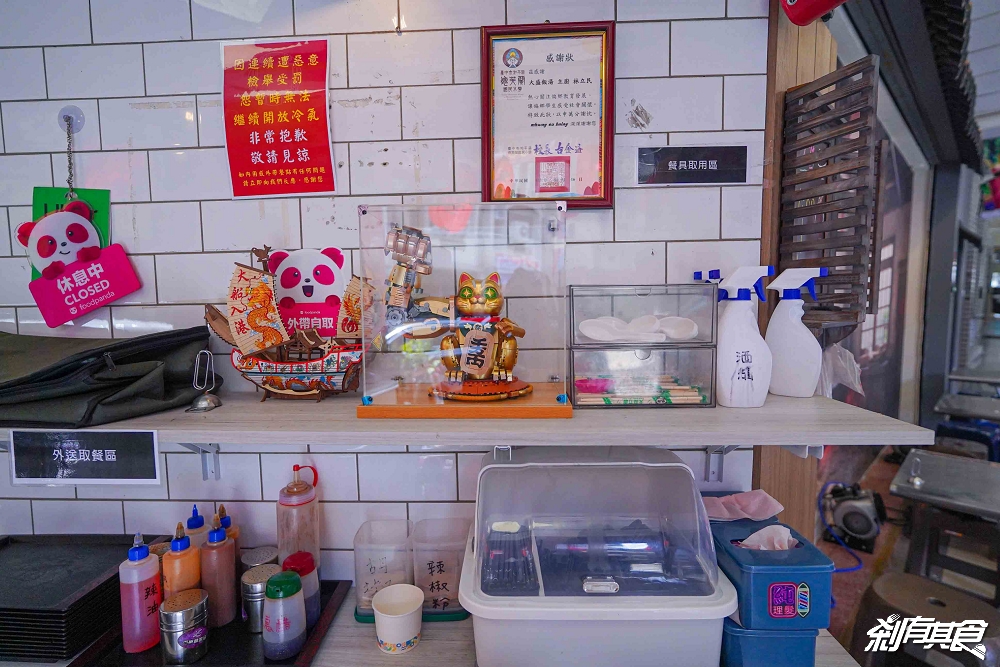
{"points": [[593, 556]]}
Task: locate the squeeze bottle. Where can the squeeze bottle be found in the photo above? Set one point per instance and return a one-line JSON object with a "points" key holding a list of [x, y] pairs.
{"points": [[232, 530], [797, 355], [298, 517], [233, 533], [743, 370], [139, 578], [181, 565], [196, 528], [218, 577]]}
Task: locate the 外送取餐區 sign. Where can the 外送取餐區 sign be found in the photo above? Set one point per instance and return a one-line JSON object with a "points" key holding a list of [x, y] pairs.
{"points": [[691, 165], [83, 457]]}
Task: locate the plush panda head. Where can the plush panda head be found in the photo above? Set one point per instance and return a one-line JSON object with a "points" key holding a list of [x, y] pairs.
{"points": [[308, 276], [60, 238]]}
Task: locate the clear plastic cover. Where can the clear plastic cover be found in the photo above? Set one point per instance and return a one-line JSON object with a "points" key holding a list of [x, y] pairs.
{"points": [[417, 259], [646, 314], [590, 522]]}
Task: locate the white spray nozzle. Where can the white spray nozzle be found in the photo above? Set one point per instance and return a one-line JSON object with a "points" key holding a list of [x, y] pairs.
{"points": [[791, 281]]}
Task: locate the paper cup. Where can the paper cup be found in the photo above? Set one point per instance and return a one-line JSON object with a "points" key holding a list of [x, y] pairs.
{"points": [[398, 611]]}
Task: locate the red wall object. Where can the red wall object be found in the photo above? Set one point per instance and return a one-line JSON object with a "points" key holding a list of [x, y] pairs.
{"points": [[804, 12]]}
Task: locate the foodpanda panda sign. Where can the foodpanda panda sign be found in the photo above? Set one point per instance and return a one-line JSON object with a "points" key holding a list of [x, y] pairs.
{"points": [[308, 287], [77, 275]]}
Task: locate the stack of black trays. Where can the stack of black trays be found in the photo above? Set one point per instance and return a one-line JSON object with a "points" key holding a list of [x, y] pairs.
{"points": [[58, 593]]}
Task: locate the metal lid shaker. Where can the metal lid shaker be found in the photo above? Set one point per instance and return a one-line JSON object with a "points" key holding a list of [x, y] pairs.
{"points": [[253, 586], [251, 558], [184, 627]]}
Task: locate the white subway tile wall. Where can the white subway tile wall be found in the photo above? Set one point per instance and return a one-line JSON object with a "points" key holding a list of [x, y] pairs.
{"points": [[405, 121]]}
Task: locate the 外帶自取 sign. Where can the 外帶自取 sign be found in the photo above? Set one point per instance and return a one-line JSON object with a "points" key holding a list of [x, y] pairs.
{"points": [[83, 457], [274, 99], [691, 165]]}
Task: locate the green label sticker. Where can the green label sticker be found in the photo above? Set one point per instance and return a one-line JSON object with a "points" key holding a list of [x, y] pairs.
{"points": [[49, 200]]}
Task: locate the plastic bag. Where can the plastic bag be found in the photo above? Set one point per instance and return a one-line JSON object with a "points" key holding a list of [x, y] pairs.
{"points": [[839, 367]]}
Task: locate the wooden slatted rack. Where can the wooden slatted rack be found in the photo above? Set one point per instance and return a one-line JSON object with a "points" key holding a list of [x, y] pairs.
{"points": [[829, 192]]}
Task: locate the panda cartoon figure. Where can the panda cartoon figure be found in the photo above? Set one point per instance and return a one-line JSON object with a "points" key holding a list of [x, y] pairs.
{"points": [[60, 238], [308, 287]]}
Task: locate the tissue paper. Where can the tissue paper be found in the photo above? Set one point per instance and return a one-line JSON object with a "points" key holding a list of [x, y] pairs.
{"points": [[771, 538], [756, 505]]}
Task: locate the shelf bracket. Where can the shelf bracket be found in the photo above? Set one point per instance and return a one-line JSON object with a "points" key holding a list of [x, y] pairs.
{"points": [[805, 451], [209, 452], [715, 458]]}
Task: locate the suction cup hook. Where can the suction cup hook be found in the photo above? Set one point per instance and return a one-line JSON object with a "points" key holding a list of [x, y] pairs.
{"points": [[75, 115]]}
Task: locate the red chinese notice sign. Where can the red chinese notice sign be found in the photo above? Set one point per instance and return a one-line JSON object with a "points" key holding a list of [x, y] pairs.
{"points": [[277, 127]]}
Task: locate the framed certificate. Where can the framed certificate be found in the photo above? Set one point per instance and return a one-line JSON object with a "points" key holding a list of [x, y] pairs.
{"points": [[548, 113]]}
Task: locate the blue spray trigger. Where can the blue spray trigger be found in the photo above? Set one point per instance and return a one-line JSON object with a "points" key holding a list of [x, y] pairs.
{"points": [[811, 286], [758, 287]]}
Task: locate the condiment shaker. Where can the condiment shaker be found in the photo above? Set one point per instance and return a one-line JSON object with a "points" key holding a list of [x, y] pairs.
{"points": [[251, 558], [184, 627], [302, 563], [284, 616], [253, 585]]}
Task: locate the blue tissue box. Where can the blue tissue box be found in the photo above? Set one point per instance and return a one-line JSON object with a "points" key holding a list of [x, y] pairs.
{"points": [[767, 648], [778, 590]]}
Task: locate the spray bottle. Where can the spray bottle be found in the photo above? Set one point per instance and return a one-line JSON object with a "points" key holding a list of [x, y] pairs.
{"points": [[743, 370], [798, 357]]}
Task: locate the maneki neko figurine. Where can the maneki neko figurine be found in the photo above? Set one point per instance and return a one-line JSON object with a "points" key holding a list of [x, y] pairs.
{"points": [[481, 352]]}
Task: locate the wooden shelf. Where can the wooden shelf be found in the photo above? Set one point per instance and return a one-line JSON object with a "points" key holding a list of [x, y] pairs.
{"points": [[243, 419], [352, 644]]}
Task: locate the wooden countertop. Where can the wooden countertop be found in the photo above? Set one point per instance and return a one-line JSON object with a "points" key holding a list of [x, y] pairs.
{"points": [[781, 421], [352, 644]]}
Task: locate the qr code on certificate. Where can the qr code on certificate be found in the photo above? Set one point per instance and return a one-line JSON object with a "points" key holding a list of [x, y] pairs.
{"points": [[552, 175]]}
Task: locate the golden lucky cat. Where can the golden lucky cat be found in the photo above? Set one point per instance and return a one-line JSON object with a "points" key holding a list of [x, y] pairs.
{"points": [[483, 345]]}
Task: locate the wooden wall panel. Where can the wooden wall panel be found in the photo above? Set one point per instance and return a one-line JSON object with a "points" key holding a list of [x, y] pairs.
{"points": [[794, 56]]}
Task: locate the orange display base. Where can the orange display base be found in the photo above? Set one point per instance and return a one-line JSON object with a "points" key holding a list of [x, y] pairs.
{"points": [[413, 401]]}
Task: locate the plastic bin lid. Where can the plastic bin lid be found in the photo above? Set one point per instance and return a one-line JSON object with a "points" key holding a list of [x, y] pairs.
{"points": [[731, 627], [803, 557], [566, 533]]}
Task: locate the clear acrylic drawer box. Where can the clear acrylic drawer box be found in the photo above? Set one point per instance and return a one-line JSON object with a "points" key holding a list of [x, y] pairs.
{"points": [[643, 346]]}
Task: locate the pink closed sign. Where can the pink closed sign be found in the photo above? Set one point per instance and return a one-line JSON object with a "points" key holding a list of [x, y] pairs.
{"points": [[84, 286]]}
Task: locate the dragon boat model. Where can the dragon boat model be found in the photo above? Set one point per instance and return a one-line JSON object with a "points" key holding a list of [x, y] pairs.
{"points": [[304, 363]]}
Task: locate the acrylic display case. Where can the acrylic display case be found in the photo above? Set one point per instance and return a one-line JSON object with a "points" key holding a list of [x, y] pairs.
{"points": [[607, 549], [465, 313], [643, 346]]}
